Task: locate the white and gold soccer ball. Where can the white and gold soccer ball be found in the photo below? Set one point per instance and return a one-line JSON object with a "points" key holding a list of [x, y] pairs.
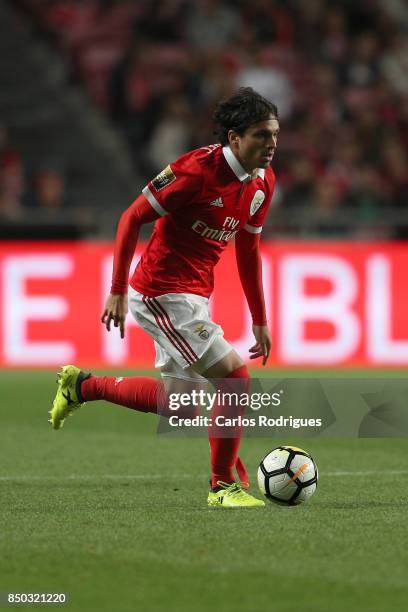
{"points": [[287, 476]]}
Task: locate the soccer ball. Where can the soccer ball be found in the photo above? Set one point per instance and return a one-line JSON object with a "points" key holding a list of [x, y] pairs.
{"points": [[287, 476]]}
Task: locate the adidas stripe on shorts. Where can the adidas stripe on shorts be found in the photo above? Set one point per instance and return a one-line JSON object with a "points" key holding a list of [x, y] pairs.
{"points": [[183, 332]]}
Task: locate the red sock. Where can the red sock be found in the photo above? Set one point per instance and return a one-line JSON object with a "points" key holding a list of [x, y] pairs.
{"points": [[136, 392], [224, 450]]}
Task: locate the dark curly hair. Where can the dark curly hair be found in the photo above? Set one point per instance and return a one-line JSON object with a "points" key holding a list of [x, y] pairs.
{"points": [[244, 108]]}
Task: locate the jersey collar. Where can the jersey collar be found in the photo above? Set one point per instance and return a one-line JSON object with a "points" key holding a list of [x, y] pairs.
{"points": [[236, 167]]}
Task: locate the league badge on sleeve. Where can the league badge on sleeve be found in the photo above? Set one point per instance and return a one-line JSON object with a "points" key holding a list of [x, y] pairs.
{"points": [[165, 178], [257, 201]]}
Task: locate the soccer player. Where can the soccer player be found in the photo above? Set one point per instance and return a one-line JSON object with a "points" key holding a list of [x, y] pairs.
{"points": [[199, 202]]}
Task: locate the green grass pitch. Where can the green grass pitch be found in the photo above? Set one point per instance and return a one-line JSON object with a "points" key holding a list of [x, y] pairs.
{"points": [[116, 517]]}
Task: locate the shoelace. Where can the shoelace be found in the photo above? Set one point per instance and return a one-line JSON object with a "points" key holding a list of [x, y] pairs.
{"points": [[234, 490]]}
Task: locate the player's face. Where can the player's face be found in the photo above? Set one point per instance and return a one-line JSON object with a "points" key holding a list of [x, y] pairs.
{"points": [[255, 148]]}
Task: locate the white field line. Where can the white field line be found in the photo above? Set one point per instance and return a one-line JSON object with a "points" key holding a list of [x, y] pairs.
{"points": [[365, 473], [101, 477], [184, 476]]}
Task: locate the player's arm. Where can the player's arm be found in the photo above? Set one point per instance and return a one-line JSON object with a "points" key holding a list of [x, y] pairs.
{"points": [[250, 272], [127, 234]]}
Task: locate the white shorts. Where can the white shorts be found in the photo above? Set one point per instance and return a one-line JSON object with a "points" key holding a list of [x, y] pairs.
{"points": [[186, 340]]}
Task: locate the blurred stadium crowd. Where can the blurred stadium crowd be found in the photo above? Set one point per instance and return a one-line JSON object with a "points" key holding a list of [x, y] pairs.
{"points": [[338, 71]]}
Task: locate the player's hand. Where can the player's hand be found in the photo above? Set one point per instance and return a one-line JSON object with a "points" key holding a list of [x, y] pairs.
{"points": [[116, 309], [263, 345]]}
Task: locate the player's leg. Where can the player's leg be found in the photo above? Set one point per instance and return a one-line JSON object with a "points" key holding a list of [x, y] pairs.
{"points": [[140, 393], [76, 387], [228, 374], [222, 365]]}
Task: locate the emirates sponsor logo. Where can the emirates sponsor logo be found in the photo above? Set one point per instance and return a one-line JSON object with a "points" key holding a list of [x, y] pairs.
{"points": [[220, 235]]}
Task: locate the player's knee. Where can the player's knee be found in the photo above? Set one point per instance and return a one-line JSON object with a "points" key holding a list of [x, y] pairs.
{"points": [[240, 379], [225, 366], [239, 372]]}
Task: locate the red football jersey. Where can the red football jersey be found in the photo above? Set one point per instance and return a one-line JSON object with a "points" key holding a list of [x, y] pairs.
{"points": [[204, 198]]}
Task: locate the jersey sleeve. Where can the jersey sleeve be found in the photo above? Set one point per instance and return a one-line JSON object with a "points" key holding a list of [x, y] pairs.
{"points": [[256, 221], [250, 272], [132, 219], [175, 186]]}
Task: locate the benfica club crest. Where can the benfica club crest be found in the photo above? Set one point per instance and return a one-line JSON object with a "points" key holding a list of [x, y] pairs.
{"points": [[256, 202]]}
